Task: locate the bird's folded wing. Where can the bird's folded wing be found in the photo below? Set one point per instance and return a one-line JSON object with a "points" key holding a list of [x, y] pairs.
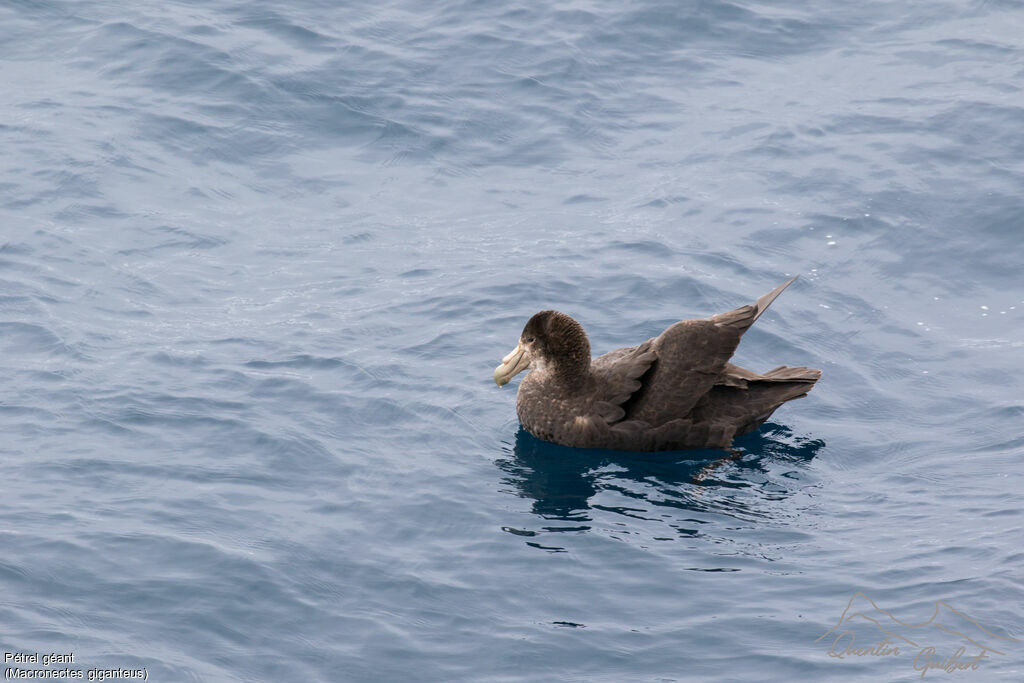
{"points": [[691, 358], [618, 376]]}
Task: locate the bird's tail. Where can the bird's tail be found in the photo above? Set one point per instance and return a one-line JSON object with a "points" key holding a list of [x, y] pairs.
{"points": [[787, 374]]}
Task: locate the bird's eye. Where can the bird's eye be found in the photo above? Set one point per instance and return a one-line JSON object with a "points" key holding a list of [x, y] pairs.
{"points": [[529, 340]]}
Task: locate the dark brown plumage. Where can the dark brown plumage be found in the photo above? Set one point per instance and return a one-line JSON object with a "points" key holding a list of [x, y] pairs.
{"points": [[677, 390]]}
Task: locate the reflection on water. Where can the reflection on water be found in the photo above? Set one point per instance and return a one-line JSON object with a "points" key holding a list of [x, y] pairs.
{"points": [[575, 485]]}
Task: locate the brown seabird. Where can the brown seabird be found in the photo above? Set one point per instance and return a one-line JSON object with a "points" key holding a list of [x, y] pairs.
{"points": [[677, 390]]}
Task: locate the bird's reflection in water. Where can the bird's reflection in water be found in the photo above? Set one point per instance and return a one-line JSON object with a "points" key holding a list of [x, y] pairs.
{"points": [[567, 485]]}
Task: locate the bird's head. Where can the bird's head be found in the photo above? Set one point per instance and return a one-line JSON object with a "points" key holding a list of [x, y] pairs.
{"points": [[550, 340]]}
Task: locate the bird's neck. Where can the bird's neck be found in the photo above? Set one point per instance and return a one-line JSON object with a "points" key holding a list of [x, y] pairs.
{"points": [[572, 372]]}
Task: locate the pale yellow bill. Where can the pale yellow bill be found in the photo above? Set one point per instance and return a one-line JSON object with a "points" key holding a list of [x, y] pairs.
{"points": [[511, 365]]}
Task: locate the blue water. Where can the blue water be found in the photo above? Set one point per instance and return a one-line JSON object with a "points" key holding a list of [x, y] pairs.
{"points": [[258, 262]]}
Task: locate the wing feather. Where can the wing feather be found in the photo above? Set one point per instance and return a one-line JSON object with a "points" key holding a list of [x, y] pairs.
{"points": [[618, 374], [693, 356]]}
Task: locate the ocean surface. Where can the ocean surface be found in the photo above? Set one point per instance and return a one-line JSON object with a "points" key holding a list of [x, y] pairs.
{"points": [[259, 260]]}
